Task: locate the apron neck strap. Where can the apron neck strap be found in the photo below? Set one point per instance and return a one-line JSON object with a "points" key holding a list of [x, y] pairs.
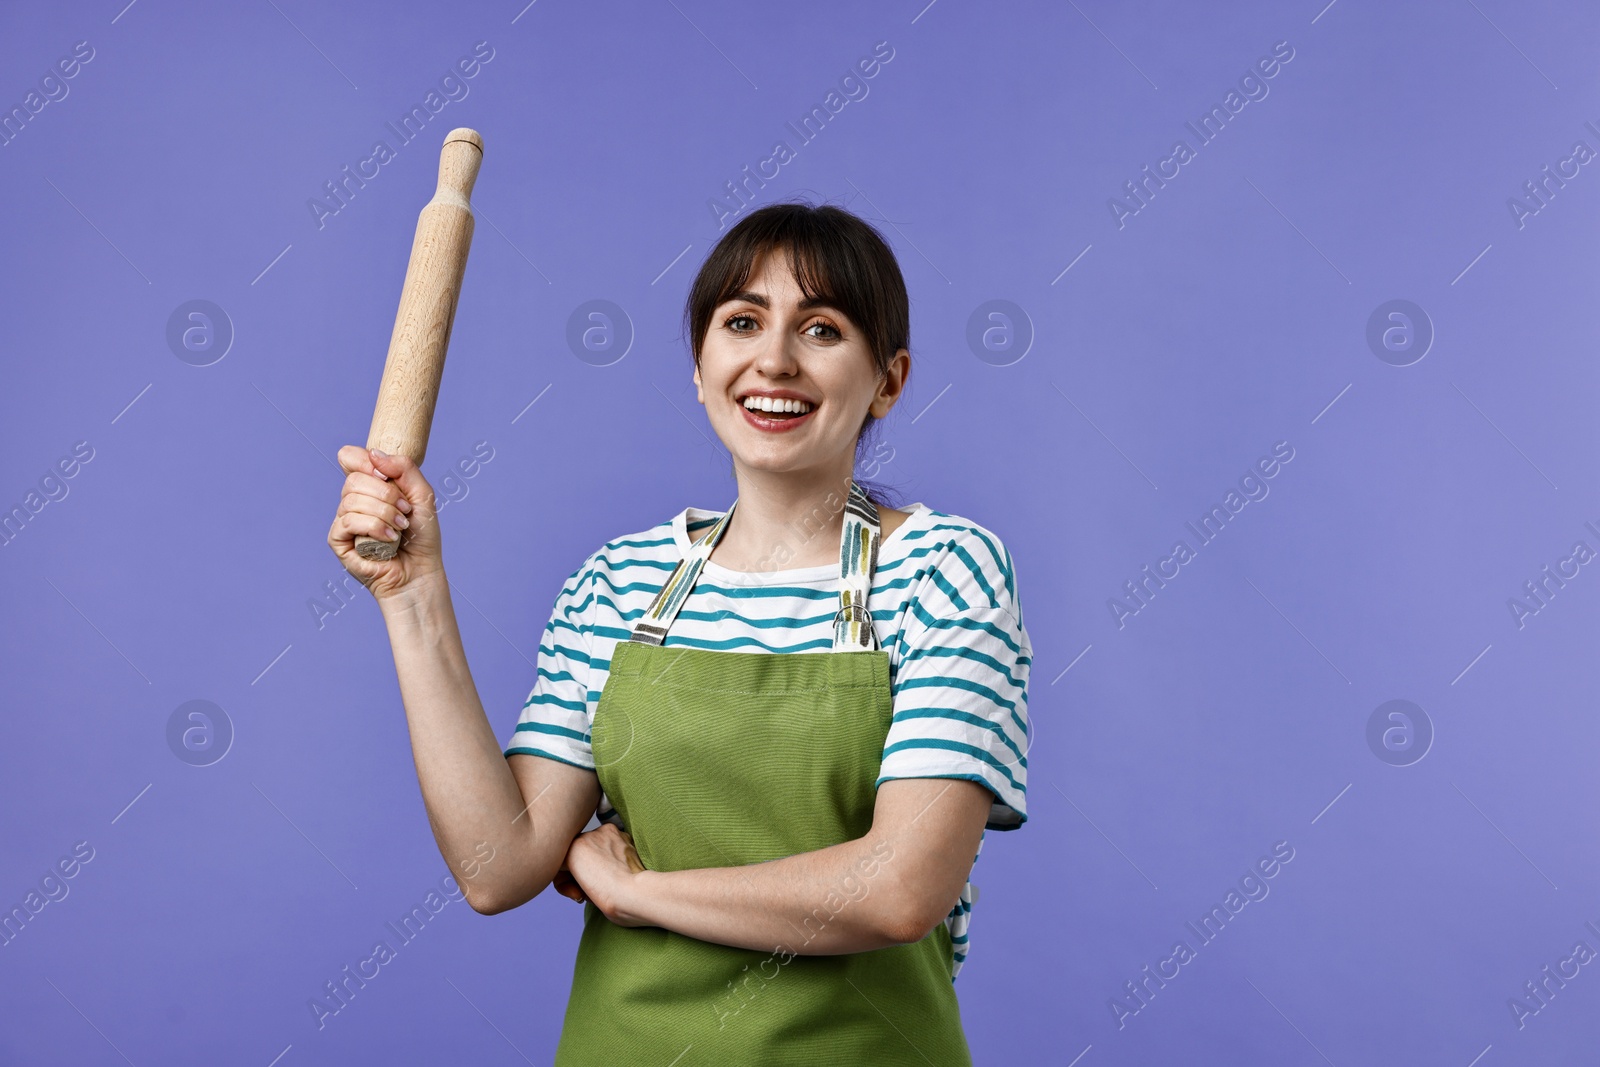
{"points": [[858, 561]]}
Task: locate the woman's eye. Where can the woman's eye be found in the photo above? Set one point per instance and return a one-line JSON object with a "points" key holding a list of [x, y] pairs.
{"points": [[747, 324]]}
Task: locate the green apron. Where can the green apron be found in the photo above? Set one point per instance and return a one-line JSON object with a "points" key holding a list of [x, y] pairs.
{"points": [[721, 759]]}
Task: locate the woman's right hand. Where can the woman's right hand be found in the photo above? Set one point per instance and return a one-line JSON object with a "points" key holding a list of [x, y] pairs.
{"points": [[385, 495], [567, 885]]}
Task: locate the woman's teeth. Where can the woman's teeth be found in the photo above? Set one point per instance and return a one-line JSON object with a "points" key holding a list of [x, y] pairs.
{"points": [[779, 407]]}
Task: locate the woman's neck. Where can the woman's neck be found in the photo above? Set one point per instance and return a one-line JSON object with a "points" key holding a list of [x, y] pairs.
{"points": [[784, 526]]}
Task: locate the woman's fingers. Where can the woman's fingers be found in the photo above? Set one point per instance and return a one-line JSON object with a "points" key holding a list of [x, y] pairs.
{"points": [[567, 886], [360, 483], [377, 486], [353, 524], [403, 473], [362, 504], [635, 864], [392, 478], [355, 458]]}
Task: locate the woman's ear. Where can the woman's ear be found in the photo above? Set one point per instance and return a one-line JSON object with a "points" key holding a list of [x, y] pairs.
{"points": [[892, 384], [699, 389]]}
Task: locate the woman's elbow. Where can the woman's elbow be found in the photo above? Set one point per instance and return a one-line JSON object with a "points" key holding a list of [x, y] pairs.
{"points": [[909, 922], [485, 902], [492, 900]]}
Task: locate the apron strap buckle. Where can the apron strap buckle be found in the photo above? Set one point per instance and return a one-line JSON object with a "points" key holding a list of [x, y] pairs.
{"points": [[853, 613]]}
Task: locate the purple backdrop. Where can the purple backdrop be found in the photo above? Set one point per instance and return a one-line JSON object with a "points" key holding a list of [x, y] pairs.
{"points": [[1354, 314]]}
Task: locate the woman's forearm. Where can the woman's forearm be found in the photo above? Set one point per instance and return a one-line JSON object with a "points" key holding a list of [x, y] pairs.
{"points": [[844, 898], [474, 803]]}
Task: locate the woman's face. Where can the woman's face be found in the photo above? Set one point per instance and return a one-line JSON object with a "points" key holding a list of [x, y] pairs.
{"points": [[762, 342]]}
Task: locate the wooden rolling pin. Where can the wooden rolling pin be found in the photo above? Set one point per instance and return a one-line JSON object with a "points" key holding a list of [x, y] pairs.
{"points": [[410, 387]]}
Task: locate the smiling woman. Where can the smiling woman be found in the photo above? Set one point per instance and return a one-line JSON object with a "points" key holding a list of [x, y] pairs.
{"points": [[893, 726], [754, 741], [804, 304]]}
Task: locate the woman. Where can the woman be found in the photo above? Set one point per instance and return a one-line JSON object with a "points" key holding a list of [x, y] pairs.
{"points": [[780, 870]]}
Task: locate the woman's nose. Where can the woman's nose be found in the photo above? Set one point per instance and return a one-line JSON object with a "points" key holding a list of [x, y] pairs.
{"points": [[780, 355]]}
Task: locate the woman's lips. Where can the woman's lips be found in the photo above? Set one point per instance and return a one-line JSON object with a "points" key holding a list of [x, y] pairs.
{"points": [[767, 425]]}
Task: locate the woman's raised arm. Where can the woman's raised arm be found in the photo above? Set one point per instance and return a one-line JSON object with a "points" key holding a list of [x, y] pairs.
{"points": [[504, 833]]}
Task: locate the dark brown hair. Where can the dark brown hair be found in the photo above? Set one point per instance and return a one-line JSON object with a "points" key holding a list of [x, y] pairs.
{"points": [[832, 254]]}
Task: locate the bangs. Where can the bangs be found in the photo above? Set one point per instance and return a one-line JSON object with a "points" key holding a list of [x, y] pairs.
{"points": [[831, 254], [808, 264]]}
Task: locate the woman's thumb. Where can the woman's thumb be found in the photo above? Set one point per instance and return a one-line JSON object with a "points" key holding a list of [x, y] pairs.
{"points": [[385, 465], [398, 469]]}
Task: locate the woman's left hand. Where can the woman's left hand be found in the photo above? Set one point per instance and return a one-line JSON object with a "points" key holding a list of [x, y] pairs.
{"points": [[606, 867]]}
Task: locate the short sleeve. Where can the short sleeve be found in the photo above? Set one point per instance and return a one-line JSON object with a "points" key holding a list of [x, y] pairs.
{"points": [[555, 717], [960, 688]]}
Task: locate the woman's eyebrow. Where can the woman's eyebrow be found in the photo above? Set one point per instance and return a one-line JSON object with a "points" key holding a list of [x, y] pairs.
{"points": [[760, 300]]}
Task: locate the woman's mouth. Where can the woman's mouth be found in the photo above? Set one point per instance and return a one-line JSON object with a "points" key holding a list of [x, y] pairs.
{"points": [[783, 419]]}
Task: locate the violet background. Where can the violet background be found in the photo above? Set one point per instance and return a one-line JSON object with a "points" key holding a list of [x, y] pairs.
{"points": [[1170, 753]]}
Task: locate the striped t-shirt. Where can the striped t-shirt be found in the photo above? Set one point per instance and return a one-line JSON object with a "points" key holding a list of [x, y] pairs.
{"points": [[944, 605]]}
